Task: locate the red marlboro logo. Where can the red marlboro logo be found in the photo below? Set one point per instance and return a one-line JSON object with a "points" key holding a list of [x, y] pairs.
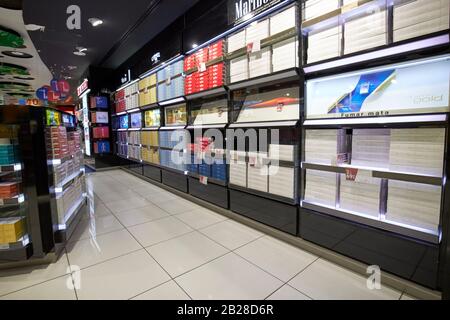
{"points": [[351, 174]]}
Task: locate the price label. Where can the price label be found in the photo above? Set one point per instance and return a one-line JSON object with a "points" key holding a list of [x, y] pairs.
{"points": [[4, 246], [169, 81], [202, 67], [351, 174], [252, 161], [256, 46], [2, 202], [203, 180]]}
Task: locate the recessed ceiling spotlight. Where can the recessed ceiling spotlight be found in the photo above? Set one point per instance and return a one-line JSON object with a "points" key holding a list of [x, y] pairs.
{"points": [[80, 51], [34, 27], [194, 46], [95, 22], [17, 54]]}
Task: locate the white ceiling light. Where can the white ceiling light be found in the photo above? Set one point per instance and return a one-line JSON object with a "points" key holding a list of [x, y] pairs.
{"points": [[80, 51], [194, 46], [34, 27], [95, 22]]}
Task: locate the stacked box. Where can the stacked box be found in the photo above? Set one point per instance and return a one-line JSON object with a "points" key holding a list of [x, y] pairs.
{"points": [[419, 151], [419, 17], [321, 188], [361, 195], [260, 62], [9, 154], [282, 181], [365, 32], [12, 229], [413, 204], [321, 146], [285, 54], [239, 69], [316, 8], [282, 21], [102, 147], [257, 173], [283, 152], [56, 140], [209, 78], [100, 132], [370, 147], [324, 44], [170, 81], [9, 190], [238, 173], [69, 199]]}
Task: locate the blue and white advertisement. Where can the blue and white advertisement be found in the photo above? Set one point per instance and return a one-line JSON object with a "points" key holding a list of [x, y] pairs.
{"points": [[416, 87]]}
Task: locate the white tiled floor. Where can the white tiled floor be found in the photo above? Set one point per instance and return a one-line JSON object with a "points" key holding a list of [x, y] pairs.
{"points": [[141, 242]]}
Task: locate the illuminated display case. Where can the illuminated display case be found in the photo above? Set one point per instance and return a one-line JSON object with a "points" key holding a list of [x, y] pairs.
{"points": [[208, 169], [389, 177], [333, 29], [268, 168], [374, 158], [267, 46], [41, 169]]}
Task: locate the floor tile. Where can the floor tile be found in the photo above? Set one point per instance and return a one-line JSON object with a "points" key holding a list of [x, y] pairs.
{"points": [[288, 293], [161, 197], [231, 234], [19, 278], [90, 228], [407, 297], [141, 215], [127, 204], [167, 291], [176, 206], [326, 281], [56, 289], [121, 278], [185, 253], [88, 252], [116, 195], [200, 218], [99, 210], [160, 230], [228, 278], [276, 257]]}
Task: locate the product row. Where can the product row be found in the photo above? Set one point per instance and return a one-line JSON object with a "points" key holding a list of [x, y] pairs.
{"points": [[417, 151], [334, 30]]}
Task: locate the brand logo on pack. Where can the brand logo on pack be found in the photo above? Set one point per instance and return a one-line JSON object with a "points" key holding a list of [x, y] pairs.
{"points": [[241, 10]]}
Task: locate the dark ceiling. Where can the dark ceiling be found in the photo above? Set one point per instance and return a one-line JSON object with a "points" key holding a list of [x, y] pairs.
{"points": [[128, 26]]}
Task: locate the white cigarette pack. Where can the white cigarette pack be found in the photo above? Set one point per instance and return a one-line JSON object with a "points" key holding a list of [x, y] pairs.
{"points": [[362, 195], [283, 21], [239, 69], [370, 147], [366, 32], [236, 41], [316, 8], [324, 44], [282, 181], [257, 32], [321, 188], [413, 204], [420, 17], [285, 55], [321, 146], [260, 62], [238, 173], [419, 150]]}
